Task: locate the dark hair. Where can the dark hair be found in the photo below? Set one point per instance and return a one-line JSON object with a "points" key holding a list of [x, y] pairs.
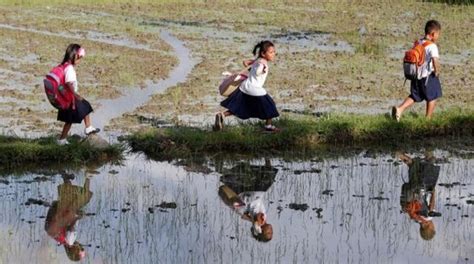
{"points": [[431, 26], [71, 52], [262, 47]]}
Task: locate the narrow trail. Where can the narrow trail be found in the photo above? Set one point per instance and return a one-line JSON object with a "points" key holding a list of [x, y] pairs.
{"points": [[133, 98], [108, 109]]}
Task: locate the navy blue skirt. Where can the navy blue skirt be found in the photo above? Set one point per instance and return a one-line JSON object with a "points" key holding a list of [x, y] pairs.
{"points": [[245, 106], [83, 108]]}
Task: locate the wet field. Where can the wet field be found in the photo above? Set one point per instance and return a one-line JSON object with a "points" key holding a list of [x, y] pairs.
{"points": [[322, 210], [160, 64]]}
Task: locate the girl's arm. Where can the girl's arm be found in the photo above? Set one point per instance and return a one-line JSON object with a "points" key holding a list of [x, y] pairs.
{"points": [[70, 86], [248, 62]]}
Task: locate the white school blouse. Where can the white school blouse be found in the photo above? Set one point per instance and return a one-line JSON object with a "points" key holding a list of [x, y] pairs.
{"points": [[70, 76], [253, 85]]}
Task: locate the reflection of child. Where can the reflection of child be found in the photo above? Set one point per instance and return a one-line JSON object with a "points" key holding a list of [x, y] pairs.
{"points": [[63, 215], [250, 206], [254, 210], [418, 194]]}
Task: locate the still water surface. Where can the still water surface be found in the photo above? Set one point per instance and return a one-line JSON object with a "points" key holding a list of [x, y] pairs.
{"points": [[353, 212]]}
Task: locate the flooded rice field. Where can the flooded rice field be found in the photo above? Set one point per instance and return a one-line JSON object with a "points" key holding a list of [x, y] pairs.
{"points": [[322, 210]]}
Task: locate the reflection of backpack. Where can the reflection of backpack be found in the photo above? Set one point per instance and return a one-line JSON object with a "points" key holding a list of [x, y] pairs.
{"points": [[414, 60], [54, 86]]}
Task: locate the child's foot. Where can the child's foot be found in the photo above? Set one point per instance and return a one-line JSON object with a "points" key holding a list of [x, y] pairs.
{"points": [[91, 130], [219, 122], [62, 141], [396, 114], [271, 128]]}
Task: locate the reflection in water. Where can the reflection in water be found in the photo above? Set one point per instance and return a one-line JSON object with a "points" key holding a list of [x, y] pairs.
{"points": [[343, 223], [418, 194], [63, 214], [251, 182]]}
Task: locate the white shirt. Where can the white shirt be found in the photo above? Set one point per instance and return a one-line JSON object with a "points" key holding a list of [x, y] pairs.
{"points": [[431, 51], [253, 85], [70, 76], [253, 203]]}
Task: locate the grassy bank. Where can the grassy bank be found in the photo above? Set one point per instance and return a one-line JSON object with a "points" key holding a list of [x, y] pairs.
{"points": [[305, 134], [18, 151]]}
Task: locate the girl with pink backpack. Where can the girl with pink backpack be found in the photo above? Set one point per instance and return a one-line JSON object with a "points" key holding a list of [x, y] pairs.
{"points": [[80, 108]]}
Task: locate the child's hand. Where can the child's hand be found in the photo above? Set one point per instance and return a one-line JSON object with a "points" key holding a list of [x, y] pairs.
{"points": [[248, 62]]}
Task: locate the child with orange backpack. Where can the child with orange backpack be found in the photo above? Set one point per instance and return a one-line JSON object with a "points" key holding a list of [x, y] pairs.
{"points": [[421, 66]]}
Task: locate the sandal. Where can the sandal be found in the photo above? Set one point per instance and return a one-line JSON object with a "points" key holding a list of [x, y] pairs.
{"points": [[219, 122], [395, 114], [91, 130], [271, 128]]}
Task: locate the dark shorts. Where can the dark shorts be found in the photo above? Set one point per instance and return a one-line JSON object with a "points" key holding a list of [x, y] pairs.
{"points": [[426, 90], [83, 108]]}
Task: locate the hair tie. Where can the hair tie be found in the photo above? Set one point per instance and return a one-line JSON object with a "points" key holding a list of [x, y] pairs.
{"points": [[81, 52]]}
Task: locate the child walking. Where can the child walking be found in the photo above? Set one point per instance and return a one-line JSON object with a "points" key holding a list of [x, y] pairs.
{"points": [[428, 86], [82, 108], [251, 99]]}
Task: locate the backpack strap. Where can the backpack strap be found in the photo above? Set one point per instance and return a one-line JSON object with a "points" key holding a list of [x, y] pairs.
{"points": [[426, 43]]}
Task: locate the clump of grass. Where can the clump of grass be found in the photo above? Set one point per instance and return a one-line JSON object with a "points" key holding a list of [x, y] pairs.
{"points": [[371, 46], [16, 151], [304, 134]]}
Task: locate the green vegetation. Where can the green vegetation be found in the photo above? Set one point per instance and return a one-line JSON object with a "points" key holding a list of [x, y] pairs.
{"points": [[15, 151], [305, 134]]}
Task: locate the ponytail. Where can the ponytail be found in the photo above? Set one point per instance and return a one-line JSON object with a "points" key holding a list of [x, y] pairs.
{"points": [[262, 47]]}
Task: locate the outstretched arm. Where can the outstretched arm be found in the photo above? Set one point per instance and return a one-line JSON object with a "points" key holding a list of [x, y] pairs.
{"points": [[248, 62]]}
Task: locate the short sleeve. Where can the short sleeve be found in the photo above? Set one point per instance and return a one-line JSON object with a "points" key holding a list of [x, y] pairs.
{"points": [[261, 68], [70, 74], [433, 51]]}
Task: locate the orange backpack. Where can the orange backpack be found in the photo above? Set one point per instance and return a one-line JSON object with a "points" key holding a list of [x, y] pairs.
{"points": [[414, 60]]}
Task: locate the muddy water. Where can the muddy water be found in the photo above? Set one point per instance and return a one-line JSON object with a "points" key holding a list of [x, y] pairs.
{"points": [[332, 210], [112, 108]]}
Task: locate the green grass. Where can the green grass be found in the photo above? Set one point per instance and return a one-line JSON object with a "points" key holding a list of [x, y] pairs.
{"points": [[305, 134], [16, 151]]}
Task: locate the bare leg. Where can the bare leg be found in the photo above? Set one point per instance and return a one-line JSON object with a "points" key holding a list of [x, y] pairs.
{"points": [[406, 103], [430, 106], [66, 128], [227, 113], [87, 121], [268, 122]]}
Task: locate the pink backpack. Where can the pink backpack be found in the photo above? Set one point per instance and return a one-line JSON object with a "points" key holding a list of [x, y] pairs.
{"points": [[54, 85]]}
